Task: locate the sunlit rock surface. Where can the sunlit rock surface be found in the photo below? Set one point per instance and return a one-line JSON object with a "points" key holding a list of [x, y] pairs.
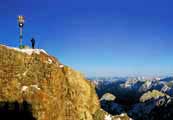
{"points": [[54, 91], [102, 115], [154, 94], [108, 97]]}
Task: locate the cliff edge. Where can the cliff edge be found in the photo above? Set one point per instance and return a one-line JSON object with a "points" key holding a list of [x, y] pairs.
{"points": [[54, 91]]}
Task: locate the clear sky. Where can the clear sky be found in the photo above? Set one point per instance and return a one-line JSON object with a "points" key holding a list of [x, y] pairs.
{"points": [[96, 37]]}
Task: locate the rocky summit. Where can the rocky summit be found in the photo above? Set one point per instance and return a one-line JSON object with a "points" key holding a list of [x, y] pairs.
{"points": [[36, 86], [54, 91]]}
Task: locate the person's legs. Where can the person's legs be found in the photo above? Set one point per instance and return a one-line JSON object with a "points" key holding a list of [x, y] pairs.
{"points": [[32, 45]]}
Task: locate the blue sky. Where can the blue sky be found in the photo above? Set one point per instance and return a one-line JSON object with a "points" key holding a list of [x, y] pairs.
{"points": [[97, 37]]}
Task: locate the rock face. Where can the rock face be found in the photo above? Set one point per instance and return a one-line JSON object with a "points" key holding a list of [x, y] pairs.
{"points": [[54, 91], [108, 104], [151, 99], [102, 115], [153, 109], [108, 97], [154, 94]]}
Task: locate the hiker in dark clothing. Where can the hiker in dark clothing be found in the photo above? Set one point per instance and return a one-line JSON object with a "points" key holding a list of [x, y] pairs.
{"points": [[33, 43]]}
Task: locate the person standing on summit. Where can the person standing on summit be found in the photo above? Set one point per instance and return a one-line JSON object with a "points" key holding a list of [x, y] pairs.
{"points": [[33, 43]]}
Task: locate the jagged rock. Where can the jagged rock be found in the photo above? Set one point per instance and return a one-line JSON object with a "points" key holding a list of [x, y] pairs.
{"points": [[154, 109], [108, 104], [153, 100], [55, 91], [102, 115], [108, 97], [151, 94], [146, 86]]}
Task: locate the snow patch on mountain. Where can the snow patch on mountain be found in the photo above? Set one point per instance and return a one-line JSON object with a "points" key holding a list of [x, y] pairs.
{"points": [[28, 51]]}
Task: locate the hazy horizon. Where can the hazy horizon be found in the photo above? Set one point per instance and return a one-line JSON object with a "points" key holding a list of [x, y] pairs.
{"points": [[97, 37]]}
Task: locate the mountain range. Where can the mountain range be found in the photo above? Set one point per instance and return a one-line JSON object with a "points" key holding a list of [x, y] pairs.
{"points": [[141, 99]]}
